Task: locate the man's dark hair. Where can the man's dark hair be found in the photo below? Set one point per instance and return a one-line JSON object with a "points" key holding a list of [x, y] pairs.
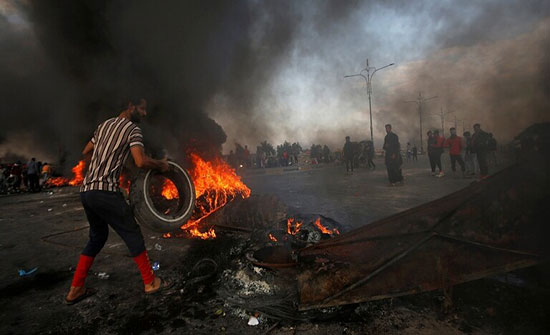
{"points": [[429, 132], [452, 128], [466, 133], [477, 125], [388, 125], [134, 100]]}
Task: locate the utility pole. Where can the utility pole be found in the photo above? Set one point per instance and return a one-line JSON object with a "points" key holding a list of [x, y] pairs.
{"points": [[368, 80], [419, 101], [442, 116]]}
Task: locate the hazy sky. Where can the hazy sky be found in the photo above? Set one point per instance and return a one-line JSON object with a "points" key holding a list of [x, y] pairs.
{"points": [[443, 48], [274, 70]]}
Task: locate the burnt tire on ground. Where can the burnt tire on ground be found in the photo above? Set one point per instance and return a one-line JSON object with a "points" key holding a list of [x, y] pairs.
{"points": [[154, 210]]}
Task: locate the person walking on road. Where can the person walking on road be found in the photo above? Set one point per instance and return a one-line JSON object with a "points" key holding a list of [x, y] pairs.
{"points": [[393, 157], [103, 203], [348, 155], [470, 159], [32, 174], [439, 148], [370, 155], [480, 145], [432, 152], [455, 145]]}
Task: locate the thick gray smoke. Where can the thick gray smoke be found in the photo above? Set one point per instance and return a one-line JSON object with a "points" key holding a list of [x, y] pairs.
{"points": [[486, 61]]}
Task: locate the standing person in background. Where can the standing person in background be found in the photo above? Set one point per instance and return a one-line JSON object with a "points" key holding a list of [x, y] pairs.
{"points": [[409, 152], [439, 145], [415, 153], [479, 144], [432, 152], [455, 145], [470, 159], [370, 155], [46, 172], [393, 157], [348, 155], [32, 175], [15, 173]]}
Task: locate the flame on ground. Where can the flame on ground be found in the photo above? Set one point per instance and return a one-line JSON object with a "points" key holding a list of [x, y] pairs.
{"points": [[324, 229], [293, 226], [216, 184], [272, 238], [79, 170]]}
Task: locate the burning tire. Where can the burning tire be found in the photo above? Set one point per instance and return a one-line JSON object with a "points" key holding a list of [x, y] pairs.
{"points": [[163, 201]]}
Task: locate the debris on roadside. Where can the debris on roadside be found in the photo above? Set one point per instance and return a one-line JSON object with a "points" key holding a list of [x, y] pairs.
{"points": [[23, 273]]}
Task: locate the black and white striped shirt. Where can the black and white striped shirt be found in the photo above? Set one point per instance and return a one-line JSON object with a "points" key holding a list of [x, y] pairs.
{"points": [[112, 141]]}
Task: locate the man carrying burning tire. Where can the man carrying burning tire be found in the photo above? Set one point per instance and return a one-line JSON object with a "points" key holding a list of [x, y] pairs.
{"points": [[103, 203]]}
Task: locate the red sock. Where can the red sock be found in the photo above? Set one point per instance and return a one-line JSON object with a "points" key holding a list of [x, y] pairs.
{"points": [[84, 264], [144, 266]]}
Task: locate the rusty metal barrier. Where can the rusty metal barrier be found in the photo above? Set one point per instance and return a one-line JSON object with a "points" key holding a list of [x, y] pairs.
{"points": [[493, 226]]}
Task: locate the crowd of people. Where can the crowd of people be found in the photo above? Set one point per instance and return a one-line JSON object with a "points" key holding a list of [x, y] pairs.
{"points": [[24, 177], [472, 153]]}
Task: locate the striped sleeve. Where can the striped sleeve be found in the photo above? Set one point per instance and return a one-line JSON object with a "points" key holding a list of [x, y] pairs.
{"points": [[136, 138]]}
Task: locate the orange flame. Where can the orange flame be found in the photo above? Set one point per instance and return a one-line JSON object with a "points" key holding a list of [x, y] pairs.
{"points": [[169, 190], [78, 173], [167, 235], [297, 224], [216, 184], [79, 170], [273, 238], [210, 234], [324, 229]]}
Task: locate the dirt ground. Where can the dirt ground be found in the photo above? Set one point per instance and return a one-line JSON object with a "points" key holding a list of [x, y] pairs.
{"points": [[47, 231]]}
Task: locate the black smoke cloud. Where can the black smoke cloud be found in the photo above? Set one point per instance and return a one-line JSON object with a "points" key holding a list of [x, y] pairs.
{"points": [[67, 64], [74, 61]]}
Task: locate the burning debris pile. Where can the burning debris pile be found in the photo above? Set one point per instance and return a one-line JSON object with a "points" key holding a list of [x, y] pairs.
{"points": [[216, 184], [254, 252]]}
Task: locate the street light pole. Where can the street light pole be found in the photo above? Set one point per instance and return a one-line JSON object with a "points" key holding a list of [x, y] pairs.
{"points": [[419, 102], [442, 116], [368, 81]]}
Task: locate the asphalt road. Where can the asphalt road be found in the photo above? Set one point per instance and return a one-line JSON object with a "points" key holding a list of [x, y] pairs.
{"points": [[359, 198], [48, 230]]}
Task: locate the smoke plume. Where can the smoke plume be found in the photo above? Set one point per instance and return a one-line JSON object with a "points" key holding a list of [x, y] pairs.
{"points": [[216, 72]]}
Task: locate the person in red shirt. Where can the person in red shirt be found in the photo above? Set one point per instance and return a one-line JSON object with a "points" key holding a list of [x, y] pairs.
{"points": [[455, 145]]}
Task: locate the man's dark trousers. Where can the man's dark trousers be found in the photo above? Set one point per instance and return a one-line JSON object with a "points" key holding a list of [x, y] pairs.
{"points": [[457, 158], [104, 209], [393, 166], [482, 161], [349, 164]]}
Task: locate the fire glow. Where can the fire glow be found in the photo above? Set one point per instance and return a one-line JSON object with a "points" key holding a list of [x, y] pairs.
{"points": [[216, 184], [324, 229], [78, 176], [293, 226], [169, 190]]}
